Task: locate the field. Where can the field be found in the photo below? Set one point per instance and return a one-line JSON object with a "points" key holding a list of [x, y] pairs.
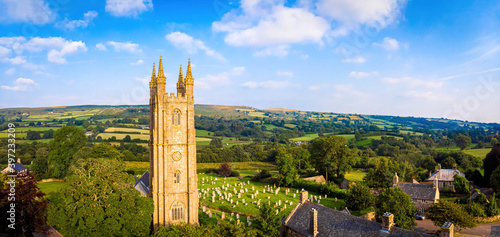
{"points": [[51, 188], [138, 167], [120, 136], [312, 136], [481, 153], [133, 130], [355, 175]]}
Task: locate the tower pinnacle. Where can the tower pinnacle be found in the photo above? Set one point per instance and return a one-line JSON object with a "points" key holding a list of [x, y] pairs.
{"points": [[188, 73], [161, 75], [153, 77], [181, 78]]}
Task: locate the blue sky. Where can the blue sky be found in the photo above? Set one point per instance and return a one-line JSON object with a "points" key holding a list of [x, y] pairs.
{"points": [[408, 58]]}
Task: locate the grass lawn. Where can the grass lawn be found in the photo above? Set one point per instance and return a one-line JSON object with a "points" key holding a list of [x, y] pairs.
{"points": [[120, 136], [138, 167], [380, 137], [481, 153], [113, 129], [312, 136], [31, 141], [51, 188], [203, 133], [365, 142], [250, 166], [355, 175], [411, 132]]}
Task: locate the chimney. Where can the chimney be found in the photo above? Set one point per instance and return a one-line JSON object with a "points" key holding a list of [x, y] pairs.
{"points": [[387, 221], [439, 166], [455, 167], [303, 196], [395, 179], [18, 160], [447, 230], [314, 222]]}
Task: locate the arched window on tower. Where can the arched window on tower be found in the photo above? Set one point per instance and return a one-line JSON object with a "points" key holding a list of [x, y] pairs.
{"points": [[176, 118], [177, 177], [177, 211]]}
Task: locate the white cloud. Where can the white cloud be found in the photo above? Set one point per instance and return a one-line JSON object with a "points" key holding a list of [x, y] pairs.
{"points": [[279, 50], [388, 44], [346, 91], [362, 74], [354, 60], [10, 71], [376, 13], [4, 52], [12, 41], [21, 84], [266, 84], [143, 80], [314, 87], [139, 62], [413, 82], [221, 79], [428, 95], [124, 46], [262, 25], [284, 74], [100, 46], [57, 47], [186, 42], [30, 11], [71, 25], [133, 8], [16, 61]]}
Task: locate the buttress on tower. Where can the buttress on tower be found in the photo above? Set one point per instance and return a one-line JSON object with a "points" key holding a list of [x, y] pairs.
{"points": [[172, 159]]}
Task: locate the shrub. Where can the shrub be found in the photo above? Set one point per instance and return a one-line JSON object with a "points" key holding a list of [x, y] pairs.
{"points": [[330, 189], [235, 173], [224, 170], [475, 209], [481, 199]]}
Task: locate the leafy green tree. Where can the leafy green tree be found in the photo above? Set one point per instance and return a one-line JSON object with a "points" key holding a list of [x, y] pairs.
{"points": [[492, 209], [495, 179], [301, 157], [33, 135], [428, 163], [475, 209], [268, 223], [67, 141], [236, 230], [397, 202], [127, 138], [286, 167], [217, 142], [99, 199], [490, 163], [185, 230], [380, 176], [30, 208], [461, 184], [331, 154], [448, 162], [463, 141], [224, 170], [359, 197], [445, 211], [105, 150]]}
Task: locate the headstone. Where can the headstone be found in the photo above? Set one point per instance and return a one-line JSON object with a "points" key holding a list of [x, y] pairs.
{"points": [[258, 203], [232, 213], [237, 216], [277, 211], [294, 195], [291, 203], [210, 215], [319, 201], [335, 199], [239, 195], [223, 215], [236, 202], [243, 201], [279, 202]]}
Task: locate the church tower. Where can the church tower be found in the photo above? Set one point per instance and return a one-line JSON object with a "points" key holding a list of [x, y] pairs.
{"points": [[172, 155]]}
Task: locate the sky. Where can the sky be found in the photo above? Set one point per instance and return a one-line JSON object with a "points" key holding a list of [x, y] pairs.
{"points": [[387, 57]]}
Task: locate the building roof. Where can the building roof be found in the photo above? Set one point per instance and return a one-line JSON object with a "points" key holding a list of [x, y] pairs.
{"points": [[18, 167], [142, 184], [445, 175], [423, 191], [336, 223]]}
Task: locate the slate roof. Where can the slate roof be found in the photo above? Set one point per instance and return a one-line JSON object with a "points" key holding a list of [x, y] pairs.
{"points": [[18, 167], [336, 223], [445, 175], [142, 184], [423, 191]]}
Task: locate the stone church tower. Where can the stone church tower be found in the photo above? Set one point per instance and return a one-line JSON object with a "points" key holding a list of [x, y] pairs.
{"points": [[173, 182]]}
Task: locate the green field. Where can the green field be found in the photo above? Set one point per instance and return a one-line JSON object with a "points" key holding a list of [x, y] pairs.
{"points": [[252, 166], [120, 136], [312, 136], [355, 175], [481, 153], [411, 132], [51, 188], [113, 129]]}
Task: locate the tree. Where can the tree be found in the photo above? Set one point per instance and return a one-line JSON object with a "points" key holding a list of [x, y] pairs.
{"points": [[463, 141], [461, 184], [286, 167], [33, 135], [67, 141], [99, 199], [301, 157], [380, 176], [186, 230], [224, 170], [30, 208], [397, 202], [268, 223], [495, 179], [127, 138], [105, 150], [445, 211], [217, 142], [490, 163], [492, 209], [359, 197], [448, 162], [331, 154]]}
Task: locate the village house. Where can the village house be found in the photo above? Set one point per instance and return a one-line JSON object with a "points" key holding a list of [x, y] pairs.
{"points": [[16, 168], [422, 194], [318, 179], [313, 219], [142, 184], [445, 177]]}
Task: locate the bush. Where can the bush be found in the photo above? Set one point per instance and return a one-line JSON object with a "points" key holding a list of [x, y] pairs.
{"points": [[330, 189], [225, 170], [475, 209], [235, 173], [263, 174], [359, 197], [481, 199]]}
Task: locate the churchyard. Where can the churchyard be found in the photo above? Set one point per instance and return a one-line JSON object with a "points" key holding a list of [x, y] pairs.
{"points": [[233, 195]]}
